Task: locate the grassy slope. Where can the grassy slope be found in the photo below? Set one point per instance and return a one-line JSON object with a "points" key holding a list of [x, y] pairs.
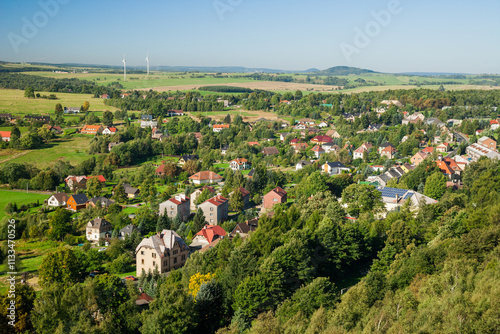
{"points": [[19, 197]]}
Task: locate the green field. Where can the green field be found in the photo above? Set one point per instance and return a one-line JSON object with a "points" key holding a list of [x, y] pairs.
{"points": [[13, 101], [141, 81], [73, 149], [19, 197]]}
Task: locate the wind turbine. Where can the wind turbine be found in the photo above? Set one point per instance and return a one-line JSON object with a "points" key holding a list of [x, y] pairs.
{"points": [[124, 68], [147, 63]]}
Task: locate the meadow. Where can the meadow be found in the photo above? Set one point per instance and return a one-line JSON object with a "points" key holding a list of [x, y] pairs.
{"points": [[13, 101], [20, 197]]}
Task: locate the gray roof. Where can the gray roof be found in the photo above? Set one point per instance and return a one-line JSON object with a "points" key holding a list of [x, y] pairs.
{"points": [[162, 242], [336, 164], [98, 223], [80, 198], [103, 200], [130, 190], [127, 230]]}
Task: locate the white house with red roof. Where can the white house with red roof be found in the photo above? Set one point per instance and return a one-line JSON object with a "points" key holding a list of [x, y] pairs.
{"points": [[5, 135], [220, 127], [318, 151], [321, 140], [494, 124], [240, 164], [360, 151], [207, 235], [109, 130], [205, 177], [178, 205]]}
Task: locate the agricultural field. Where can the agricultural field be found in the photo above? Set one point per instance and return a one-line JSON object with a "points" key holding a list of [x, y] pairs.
{"points": [[13, 101]]}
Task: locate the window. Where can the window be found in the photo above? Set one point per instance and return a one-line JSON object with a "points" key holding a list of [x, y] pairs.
{"points": [[211, 220], [275, 199], [211, 215], [142, 252], [142, 261], [171, 207], [154, 264], [183, 257], [175, 252], [211, 209], [172, 213], [153, 255], [175, 260]]}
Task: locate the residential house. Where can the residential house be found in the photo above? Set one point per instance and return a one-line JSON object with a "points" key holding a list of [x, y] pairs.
{"points": [[407, 167], [301, 164], [127, 231], [109, 130], [92, 129], [215, 209], [478, 132], [332, 134], [299, 147], [374, 127], [308, 131], [149, 124], [334, 168], [76, 182], [130, 191], [392, 102], [383, 179], [388, 152], [443, 148], [76, 202], [223, 149], [58, 199], [245, 194], [6, 117], [488, 142], [418, 158], [330, 147], [275, 196], [476, 151], [284, 135], [494, 124], [383, 146], [163, 251], [240, 164], [205, 177], [98, 228], [156, 133], [270, 151], [103, 201], [413, 118], [321, 140], [178, 205], [195, 194], [105, 96], [434, 121], [172, 113], [5, 135], [377, 168], [360, 151], [207, 235], [307, 121], [244, 229], [71, 110], [394, 198], [220, 127], [55, 129], [146, 117], [323, 124], [186, 157], [253, 143], [448, 167], [318, 151], [113, 144]]}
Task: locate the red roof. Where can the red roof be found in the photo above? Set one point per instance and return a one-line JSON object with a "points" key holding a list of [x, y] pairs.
{"points": [[210, 232], [240, 161], [243, 191], [294, 141], [322, 139], [279, 191], [179, 200], [493, 122], [217, 200], [112, 129], [221, 126], [253, 143], [99, 177], [5, 134], [206, 175], [428, 149]]}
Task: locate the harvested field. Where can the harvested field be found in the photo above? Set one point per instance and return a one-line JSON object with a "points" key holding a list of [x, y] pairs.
{"points": [[264, 85]]}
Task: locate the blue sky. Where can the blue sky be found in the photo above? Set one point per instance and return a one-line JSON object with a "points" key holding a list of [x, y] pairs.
{"points": [[417, 35]]}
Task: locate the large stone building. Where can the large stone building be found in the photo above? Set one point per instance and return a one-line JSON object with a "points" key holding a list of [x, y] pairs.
{"points": [[98, 228], [178, 205], [215, 209], [164, 251]]}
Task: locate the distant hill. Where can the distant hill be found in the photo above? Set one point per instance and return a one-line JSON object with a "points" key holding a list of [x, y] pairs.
{"points": [[432, 74], [345, 70], [311, 70]]}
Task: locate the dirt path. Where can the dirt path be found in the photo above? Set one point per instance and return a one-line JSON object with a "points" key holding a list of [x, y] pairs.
{"points": [[17, 155]]}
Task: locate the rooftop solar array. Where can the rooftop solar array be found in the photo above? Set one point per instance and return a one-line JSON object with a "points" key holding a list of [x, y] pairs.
{"points": [[393, 192]]}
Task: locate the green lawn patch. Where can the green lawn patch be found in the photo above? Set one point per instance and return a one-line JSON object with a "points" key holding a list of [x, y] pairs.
{"points": [[19, 197]]}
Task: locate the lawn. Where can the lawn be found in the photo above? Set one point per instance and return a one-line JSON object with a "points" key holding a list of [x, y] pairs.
{"points": [[19, 197], [72, 149]]}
